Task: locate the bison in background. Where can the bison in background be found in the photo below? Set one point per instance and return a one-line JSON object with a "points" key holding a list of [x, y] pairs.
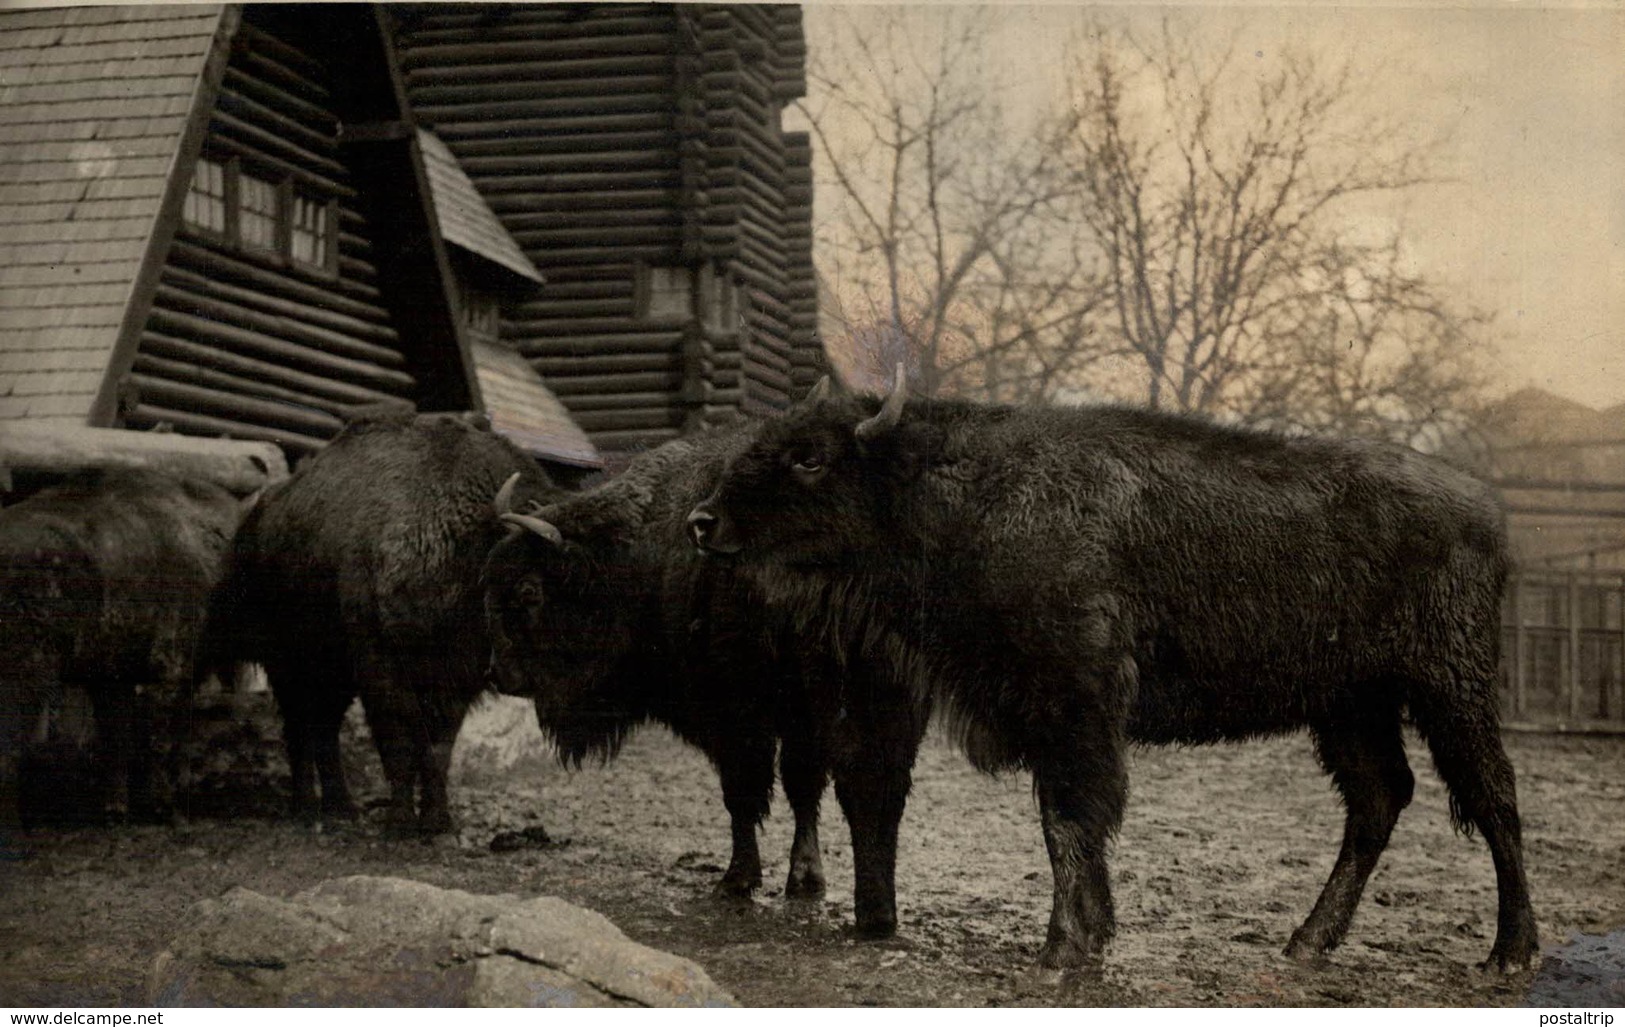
{"points": [[601, 610], [104, 585], [1065, 581], [359, 576]]}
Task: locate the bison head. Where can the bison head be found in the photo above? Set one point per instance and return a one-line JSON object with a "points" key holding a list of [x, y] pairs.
{"points": [[812, 487], [563, 593]]}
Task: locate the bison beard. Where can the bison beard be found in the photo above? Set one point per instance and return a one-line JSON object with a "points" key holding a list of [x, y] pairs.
{"points": [[601, 611], [360, 576], [104, 584], [1060, 582]]}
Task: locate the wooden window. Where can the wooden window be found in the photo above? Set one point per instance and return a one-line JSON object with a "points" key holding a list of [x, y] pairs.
{"points": [[266, 215], [259, 212], [206, 198], [664, 293], [310, 239], [480, 312]]}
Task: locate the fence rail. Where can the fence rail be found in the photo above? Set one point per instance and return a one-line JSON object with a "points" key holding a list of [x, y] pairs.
{"points": [[1563, 651]]}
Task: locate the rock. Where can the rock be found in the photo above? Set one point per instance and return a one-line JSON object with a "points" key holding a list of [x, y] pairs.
{"points": [[379, 941], [1587, 970], [499, 734]]}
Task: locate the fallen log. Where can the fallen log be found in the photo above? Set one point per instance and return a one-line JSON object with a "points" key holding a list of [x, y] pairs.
{"points": [[30, 452]]}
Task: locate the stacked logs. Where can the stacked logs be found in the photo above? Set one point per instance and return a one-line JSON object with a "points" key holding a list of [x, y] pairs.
{"points": [[249, 344], [620, 142]]}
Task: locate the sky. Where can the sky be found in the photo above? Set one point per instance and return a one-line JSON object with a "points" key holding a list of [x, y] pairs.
{"points": [[1531, 222]]}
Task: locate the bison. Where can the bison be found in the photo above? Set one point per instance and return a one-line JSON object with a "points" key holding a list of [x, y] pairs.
{"points": [[1065, 581], [359, 576], [104, 585], [601, 610]]}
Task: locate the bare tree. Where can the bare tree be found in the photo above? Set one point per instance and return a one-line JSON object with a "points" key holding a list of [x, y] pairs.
{"points": [[942, 254], [1225, 205]]}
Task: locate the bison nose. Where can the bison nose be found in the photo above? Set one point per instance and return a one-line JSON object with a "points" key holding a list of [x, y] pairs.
{"points": [[701, 523], [711, 533]]}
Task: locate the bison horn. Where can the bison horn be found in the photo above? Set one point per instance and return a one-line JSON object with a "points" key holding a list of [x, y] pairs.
{"points": [[820, 391], [536, 526], [504, 500], [890, 412]]}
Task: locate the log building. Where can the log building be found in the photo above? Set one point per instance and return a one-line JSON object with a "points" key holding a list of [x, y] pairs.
{"points": [[251, 221]]}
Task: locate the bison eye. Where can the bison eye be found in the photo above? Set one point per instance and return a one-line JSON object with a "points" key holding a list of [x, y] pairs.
{"points": [[809, 467]]}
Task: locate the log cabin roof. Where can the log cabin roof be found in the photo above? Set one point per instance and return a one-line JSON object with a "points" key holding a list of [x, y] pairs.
{"points": [[465, 219], [93, 103], [523, 409]]}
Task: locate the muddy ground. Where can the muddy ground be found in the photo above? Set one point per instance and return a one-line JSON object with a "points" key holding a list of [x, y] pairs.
{"points": [[1222, 853]]}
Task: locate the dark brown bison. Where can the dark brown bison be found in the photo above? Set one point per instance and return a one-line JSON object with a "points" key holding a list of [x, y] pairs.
{"points": [[360, 576], [602, 612], [104, 585], [1064, 581]]}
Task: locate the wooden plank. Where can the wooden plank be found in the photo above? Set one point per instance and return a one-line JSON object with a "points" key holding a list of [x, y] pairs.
{"points": [[315, 313], [257, 344], [289, 281], [147, 416], [205, 356], [278, 324], [213, 402]]}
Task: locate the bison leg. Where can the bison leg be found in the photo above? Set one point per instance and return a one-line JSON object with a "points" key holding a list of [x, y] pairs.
{"points": [[1080, 801], [1466, 746], [1367, 762], [337, 803], [873, 800], [393, 728], [434, 765], [746, 767], [114, 708], [802, 768]]}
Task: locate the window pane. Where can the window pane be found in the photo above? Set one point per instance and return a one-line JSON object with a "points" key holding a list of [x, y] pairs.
{"points": [[258, 211], [309, 235], [206, 199]]}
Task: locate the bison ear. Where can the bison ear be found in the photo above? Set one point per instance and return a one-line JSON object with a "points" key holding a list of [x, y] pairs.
{"points": [[891, 411]]}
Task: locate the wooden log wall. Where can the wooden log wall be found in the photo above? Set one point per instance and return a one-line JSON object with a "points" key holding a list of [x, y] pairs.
{"points": [[246, 344], [615, 138]]}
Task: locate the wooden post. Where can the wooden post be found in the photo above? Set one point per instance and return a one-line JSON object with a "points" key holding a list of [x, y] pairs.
{"points": [[1519, 648], [1574, 647]]}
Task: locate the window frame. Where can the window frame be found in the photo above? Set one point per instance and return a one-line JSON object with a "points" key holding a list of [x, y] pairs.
{"points": [[286, 191]]}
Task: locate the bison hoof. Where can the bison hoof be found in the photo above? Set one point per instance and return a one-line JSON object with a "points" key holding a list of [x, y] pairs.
{"points": [[737, 886], [1066, 954], [342, 809], [1511, 959], [1304, 953], [876, 927], [804, 883], [436, 825]]}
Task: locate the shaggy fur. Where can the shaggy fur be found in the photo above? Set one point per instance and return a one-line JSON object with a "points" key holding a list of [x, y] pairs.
{"points": [[360, 576], [625, 624], [104, 584], [1064, 581]]}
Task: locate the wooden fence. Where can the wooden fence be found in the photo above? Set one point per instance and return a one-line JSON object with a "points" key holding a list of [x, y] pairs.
{"points": [[1563, 651]]}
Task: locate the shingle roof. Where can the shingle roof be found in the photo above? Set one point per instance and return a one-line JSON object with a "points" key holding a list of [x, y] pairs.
{"points": [[93, 101], [523, 409], [464, 217]]}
